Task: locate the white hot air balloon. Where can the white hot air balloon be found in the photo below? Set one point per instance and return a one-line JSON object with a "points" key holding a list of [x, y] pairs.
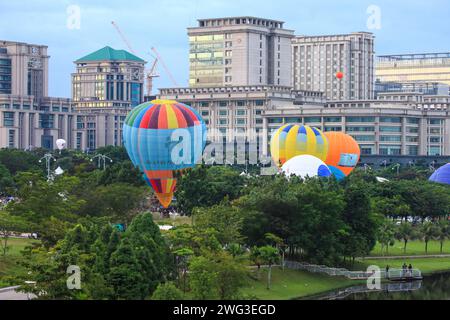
{"points": [[306, 166], [61, 144]]}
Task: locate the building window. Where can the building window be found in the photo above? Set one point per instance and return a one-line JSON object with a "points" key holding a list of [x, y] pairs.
{"points": [[223, 112], [391, 119], [412, 150], [412, 120], [390, 129], [275, 120], [391, 138], [293, 120], [79, 138], [363, 138], [241, 121], [360, 119], [360, 129], [434, 151], [333, 119], [313, 120], [11, 138], [241, 112], [8, 119], [240, 103], [390, 150]]}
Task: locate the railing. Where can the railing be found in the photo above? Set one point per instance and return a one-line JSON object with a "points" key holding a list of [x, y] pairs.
{"points": [[394, 274]]}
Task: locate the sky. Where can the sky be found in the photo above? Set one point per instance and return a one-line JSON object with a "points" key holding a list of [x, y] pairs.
{"points": [[400, 26]]}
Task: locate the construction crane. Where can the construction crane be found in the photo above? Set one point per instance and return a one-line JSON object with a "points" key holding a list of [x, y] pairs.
{"points": [[151, 73], [158, 56]]}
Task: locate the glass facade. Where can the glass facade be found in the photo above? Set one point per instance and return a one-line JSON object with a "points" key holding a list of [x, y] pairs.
{"points": [[206, 57]]}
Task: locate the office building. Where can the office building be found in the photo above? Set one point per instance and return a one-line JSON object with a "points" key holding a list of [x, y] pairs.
{"points": [[239, 51], [108, 78], [393, 125], [23, 69], [318, 59]]}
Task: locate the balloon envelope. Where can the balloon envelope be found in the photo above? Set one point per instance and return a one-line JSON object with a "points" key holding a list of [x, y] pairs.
{"points": [[306, 166], [61, 144], [339, 175], [343, 152], [340, 75], [162, 137], [441, 175], [293, 140]]}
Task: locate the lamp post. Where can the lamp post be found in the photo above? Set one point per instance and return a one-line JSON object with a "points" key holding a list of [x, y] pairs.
{"points": [[366, 167], [397, 166], [102, 158], [48, 158]]}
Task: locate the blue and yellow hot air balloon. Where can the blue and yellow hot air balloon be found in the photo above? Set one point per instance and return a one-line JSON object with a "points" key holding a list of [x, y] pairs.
{"points": [[161, 138], [294, 140]]}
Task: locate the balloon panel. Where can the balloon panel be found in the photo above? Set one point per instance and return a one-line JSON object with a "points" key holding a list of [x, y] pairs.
{"points": [[343, 152], [442, 175], [294, 140], [306, 166]]}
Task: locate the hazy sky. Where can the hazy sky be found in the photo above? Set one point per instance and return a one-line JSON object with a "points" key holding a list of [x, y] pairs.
{"points": [[406, 26]]}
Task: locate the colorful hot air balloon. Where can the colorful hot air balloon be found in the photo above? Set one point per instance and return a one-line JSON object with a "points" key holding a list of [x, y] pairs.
{"points": [[442, 175], [161, 138], [295, 140], [343, 152], [306, 166], [340, 75]]}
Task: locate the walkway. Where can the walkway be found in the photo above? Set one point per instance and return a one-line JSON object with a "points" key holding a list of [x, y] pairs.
{"points": [[10, 293]]}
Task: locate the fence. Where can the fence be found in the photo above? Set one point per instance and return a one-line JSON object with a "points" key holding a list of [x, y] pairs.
{"points": [[354, 275]]}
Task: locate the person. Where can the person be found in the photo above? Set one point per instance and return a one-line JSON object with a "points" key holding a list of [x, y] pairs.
{"points": [[387, 271], [404, 268], [410, 269]]}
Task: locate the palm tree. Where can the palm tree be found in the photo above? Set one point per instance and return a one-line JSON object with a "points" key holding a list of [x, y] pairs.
{"points": [[443, 232], [428, 232], [405, 232], [386, 235], [269, 255]]}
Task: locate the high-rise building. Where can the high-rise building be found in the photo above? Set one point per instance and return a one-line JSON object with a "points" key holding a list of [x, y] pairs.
{"points": [[239, 51], [108, 78], [418, 72], [317, 60], [23, 69]]}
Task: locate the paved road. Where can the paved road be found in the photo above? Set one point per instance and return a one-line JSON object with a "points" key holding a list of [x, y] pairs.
{"points": [[10, 293]]}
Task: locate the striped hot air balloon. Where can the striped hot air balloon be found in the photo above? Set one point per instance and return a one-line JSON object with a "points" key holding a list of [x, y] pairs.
{"points": [[161, 138], [294, 140]]}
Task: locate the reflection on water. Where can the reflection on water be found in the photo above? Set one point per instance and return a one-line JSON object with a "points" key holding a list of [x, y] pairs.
{"points": [[434, 287]]}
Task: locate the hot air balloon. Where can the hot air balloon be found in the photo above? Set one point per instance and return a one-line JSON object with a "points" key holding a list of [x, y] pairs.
{"points": [[306, 166], [295, 140], [343, 152], [61, 144], [340, 75], [163, 137], [441, 175]]}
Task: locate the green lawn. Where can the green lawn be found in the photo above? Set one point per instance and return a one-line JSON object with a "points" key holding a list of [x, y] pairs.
{"points": [[9, 264], [426, 265], [413, 248], [291, 284]]}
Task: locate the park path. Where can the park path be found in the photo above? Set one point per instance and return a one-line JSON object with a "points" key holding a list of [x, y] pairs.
{"points": [[407, 257], [10, 293]]}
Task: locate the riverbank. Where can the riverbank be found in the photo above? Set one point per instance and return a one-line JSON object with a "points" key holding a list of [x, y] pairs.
{"points": [[292, 284]]}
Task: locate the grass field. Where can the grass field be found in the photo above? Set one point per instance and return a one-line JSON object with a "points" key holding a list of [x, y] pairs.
{"points": [[10, 264], [413, 248], [291, 284]]}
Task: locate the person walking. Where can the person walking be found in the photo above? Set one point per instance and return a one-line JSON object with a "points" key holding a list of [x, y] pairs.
{"points": [[404, 269], [410, 269], [387, 271]]}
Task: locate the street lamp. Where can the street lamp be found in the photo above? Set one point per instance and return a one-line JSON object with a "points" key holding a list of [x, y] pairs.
{"points": [[397, 166], [102, 158], [367, 167], [48, 158]]}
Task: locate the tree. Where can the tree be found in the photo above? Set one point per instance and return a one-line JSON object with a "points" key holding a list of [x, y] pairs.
{"points": [[280, 245], [386, 235], [203, 279], [443, 232], [428, 231], [125, 273], [255, 257], [270, 256], [6, 180], [405, 232], [167, 292], [207, 186], [8, 226], [224, 218]]}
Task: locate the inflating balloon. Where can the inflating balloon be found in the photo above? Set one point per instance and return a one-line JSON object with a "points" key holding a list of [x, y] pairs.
{"points": [[441, 175], [306, 166], [343, 152], [161, 138], [61, 144], [294, 140]]}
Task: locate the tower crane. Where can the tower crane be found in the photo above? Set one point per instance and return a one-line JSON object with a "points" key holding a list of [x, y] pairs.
{"points": [[151, 73], [158, 56]]}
